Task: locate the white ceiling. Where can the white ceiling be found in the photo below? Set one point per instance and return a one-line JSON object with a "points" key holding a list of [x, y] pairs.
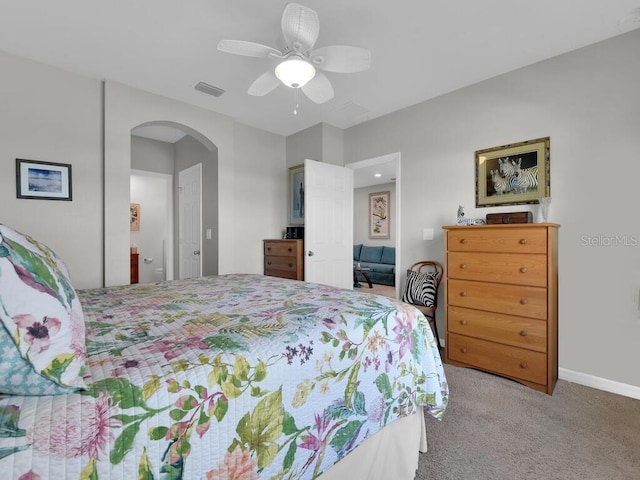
{"points": [[420, 48]]}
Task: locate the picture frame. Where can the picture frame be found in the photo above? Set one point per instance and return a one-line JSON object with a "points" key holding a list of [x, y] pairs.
{"points": [[135, 217], [43, 180], [380, 215], [296, 195], [514, 174]]}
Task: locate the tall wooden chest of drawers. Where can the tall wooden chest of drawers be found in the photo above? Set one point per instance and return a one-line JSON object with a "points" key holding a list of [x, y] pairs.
{"points": [[501, 291], [284, 258]]}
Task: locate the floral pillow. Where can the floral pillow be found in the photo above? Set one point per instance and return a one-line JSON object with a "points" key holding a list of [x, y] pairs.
{"points": [[40, 311], [17, 376]]}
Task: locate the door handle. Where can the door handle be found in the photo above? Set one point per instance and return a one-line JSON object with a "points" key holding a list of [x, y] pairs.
{"points": [[310, 253], [196, 252]]}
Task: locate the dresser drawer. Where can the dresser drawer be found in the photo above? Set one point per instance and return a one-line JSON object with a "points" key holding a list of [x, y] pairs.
{"points": [[503, 359], [283, 264], [272, 272], [517, 300], [280, 248], [530, 269], [505, 240], [508, 329]]}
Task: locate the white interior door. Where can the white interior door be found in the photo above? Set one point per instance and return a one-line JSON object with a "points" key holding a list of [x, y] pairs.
{"points": [[190, 207], [328, 224]]}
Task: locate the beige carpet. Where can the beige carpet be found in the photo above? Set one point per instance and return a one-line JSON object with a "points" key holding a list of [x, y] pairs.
{"points": [[497, 429], [384, 290]]}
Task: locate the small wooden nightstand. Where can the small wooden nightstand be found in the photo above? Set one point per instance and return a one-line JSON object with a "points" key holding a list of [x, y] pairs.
{"points": [[283, 258]]}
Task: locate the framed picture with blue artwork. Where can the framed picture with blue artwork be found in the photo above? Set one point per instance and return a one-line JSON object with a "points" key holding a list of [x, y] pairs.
{"points": [[296, 195], [43, 180]]}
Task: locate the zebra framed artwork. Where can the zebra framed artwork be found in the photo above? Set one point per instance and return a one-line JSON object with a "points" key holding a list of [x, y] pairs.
{"points": [[514, 174]]}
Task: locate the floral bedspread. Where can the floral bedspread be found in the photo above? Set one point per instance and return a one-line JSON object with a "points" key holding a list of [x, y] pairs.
{"points": [[229, 377]]}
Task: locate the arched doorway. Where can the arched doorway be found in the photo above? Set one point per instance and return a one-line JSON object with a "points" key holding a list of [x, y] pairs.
{"points": [[163, 150]]}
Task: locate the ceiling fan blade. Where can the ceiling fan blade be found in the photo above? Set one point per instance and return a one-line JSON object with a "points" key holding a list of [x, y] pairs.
{"points": [[265, 83], [300, 26], [248, 49], [341, 58], [318, 89]]}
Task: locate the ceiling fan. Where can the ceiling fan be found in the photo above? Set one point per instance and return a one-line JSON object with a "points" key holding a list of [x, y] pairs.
{"points": [[298, 62]]}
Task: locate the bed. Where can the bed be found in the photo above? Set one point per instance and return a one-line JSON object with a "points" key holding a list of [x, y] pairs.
{"points": [[227, 377]]}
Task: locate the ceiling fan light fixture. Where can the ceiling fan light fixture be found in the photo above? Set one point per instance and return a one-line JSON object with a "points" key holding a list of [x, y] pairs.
{"points": [[295, 72]]}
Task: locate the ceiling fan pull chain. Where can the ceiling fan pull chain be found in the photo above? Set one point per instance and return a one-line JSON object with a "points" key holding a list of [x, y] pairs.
{"points": [[295, 109]]}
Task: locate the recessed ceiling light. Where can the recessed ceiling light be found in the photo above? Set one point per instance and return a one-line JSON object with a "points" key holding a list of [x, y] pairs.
{"points": [[377, 175]]}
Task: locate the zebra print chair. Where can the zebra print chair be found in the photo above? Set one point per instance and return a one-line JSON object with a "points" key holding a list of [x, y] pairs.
{"points": [[421, 290]]}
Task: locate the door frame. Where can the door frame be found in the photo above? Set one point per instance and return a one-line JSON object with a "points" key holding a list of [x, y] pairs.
{"points": [[397, 211]]}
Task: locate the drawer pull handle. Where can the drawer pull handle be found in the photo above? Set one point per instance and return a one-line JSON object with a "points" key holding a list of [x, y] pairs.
{"points": [[463, 266], [523, 333], [463, 322], [523, 301], [268, 249], [523, 269], [463, 240], [290, 265], [463, 350], [290, 249], [523, 241], [269, 263], [463, 294], [523, 365]]}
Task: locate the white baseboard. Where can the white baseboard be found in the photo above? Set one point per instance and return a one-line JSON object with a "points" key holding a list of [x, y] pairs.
{"points": [[599, 383], [594, 382]]}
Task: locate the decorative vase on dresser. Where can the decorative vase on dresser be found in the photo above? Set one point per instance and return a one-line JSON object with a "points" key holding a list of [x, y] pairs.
{"points": [[284, 258], [501, 291]]}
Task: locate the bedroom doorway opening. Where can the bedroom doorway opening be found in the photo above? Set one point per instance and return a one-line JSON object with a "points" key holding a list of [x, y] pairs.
{"points": [[365, 182], [154, 237], [168, 148]]}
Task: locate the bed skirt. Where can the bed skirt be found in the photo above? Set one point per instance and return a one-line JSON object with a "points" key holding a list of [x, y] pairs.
{"points": [[391, 453]]}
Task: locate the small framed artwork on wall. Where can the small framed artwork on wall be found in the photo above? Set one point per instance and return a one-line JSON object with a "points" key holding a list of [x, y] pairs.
{"points": [[135, 217], [379, 215], [43, 180], [296, 195]]}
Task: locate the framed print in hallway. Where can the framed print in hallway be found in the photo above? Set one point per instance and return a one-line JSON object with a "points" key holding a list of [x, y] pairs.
{"points": [[296, 195], [513, 174], [379, 215], [134, 221], [43, 180]]}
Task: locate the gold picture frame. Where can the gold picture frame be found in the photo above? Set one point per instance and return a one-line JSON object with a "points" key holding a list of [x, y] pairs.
{"points": [[514, 174], [380, 215]]}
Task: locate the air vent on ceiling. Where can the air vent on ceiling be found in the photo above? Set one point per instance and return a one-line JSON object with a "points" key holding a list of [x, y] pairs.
{"points": [[209, 89]]}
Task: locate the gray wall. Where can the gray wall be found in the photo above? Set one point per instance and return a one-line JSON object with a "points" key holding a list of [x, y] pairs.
{"points": [[50, 115], [305, 144], [588, 102], [152, 155]]}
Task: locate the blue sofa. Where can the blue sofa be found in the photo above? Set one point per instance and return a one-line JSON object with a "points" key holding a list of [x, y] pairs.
{"points": [[381, 261]]}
